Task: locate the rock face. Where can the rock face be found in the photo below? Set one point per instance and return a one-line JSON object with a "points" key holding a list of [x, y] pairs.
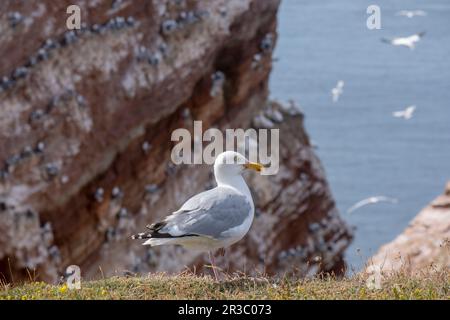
{"points": [[424, 244], [86, 118]]}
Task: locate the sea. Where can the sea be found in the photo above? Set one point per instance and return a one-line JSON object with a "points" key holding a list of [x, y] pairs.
{"points": [[364, 149]]}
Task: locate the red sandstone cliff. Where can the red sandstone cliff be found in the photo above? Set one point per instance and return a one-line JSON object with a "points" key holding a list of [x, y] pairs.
{"points": [[85, 124], [424, 245]]}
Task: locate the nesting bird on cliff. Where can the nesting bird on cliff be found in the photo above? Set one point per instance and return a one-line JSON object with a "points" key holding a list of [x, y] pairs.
{"points": [[213, 219]]}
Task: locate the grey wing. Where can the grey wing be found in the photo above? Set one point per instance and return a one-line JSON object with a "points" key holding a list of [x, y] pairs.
{"points": [[209, 214], [197, 200]]}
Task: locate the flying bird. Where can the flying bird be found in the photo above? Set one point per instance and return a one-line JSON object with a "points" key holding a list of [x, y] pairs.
{"points": [[337, 91], [406, 114], [411, 13], [213, 219], [409, 42], [370, 200]]}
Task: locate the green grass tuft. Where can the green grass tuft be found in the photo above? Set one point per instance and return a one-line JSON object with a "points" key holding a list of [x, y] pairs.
{"points": [[186, 286]]}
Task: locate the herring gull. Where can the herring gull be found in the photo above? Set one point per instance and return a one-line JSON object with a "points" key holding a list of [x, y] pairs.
{"points": [[212, 219]]}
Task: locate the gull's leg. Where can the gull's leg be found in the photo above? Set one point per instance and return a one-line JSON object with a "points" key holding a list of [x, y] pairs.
{"points": [[222, 251], [211, 258]]}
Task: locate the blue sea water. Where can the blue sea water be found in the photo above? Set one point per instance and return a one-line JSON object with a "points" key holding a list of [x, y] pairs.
{"points": [[366, 151]]}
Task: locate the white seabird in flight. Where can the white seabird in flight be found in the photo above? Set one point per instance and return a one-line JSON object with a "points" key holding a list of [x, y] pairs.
{"points": [[337, 91], [213, 219], [406, 114], [370, 200], [411, 13], [409, 42]]}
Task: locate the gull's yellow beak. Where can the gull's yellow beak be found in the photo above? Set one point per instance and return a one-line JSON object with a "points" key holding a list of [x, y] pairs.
{"points": [[254, 166]]}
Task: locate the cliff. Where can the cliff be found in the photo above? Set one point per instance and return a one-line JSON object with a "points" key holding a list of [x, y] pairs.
{"points": [[423, 245], [85, 123]]}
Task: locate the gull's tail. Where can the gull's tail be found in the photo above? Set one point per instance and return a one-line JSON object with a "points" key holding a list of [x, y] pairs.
{"points": [[386, 40]]}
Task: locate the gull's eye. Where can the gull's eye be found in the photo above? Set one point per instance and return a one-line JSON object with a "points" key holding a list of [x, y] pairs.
{"points": [[236, 159]]}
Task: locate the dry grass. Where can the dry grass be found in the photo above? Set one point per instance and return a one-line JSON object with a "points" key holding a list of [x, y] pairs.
{"points": [[187, 286]]}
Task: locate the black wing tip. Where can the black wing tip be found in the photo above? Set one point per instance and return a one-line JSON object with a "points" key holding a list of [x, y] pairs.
{"points": [[153, 232]]}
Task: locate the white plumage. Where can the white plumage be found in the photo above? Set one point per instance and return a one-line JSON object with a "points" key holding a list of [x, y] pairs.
{"points": [[337, 91]]}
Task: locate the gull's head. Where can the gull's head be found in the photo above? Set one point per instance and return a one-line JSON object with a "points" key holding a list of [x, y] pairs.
{"points": [[230, 163]]}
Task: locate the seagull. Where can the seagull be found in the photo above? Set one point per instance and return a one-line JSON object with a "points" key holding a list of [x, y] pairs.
{"points": [[409, 42], [370, 200], [406, 114], [213, 219], [411, 13], [337, 91]]}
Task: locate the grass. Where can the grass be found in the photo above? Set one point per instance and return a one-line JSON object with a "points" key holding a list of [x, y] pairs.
{"points": [[187, 286]]}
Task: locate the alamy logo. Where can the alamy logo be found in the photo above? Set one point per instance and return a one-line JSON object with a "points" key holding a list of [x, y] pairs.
{"points": [[374, 20], [251, 143]]}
